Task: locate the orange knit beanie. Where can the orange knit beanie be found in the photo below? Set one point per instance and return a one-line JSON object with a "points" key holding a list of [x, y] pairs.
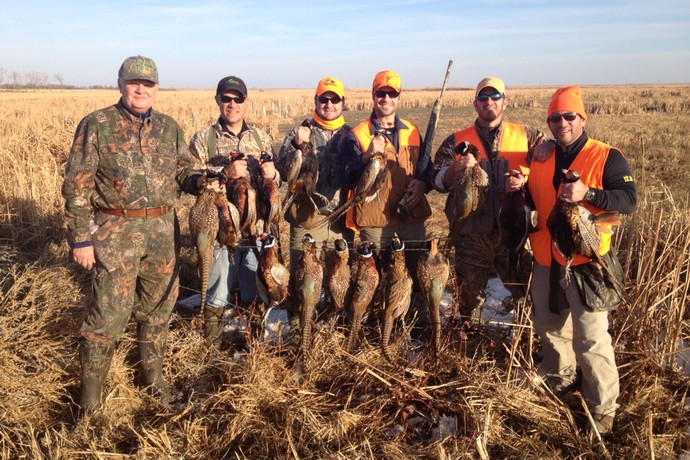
{"points": [[567, 99]]}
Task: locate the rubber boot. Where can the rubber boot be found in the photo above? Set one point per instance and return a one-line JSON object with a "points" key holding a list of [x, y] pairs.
{"points": [[95, 360], [213, 324], [151, 340]]}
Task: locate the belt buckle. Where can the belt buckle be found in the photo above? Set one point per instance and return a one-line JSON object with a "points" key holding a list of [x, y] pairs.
{"points": [[124, 213]]}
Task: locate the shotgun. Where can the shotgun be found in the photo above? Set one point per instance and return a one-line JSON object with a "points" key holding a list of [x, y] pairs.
{"points": [[402, 209]]}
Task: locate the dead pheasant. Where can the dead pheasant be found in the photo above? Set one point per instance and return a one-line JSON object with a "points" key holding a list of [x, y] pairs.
{"points": [[203, 227], [469, 189], [229, 232], [432, 273], [576, 231], [300, 207], [514, 223], [397, 293], [338, 279], [293, 163], [268, 203], [308, 284], [366, 280], [273, 278], [243, 196], [367, 188]]}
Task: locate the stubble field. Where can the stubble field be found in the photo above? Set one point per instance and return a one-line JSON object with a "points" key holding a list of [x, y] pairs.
{"points": [[480, 401]]}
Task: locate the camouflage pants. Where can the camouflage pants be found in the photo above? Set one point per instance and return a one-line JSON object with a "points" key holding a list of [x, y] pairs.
{"points": [[136, 271], [479, 257]]}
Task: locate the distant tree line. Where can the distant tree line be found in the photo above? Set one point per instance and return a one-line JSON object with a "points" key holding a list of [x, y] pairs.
{"points": [[32, 80]]}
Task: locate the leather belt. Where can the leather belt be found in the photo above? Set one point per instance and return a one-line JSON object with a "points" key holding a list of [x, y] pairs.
{"points": [[144, 212]]}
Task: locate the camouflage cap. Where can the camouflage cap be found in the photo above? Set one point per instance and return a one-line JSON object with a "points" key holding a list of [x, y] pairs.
{"points": [[138, 68]]}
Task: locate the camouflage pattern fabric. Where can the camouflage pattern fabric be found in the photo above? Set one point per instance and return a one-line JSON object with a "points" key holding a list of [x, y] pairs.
{"points": [[326, 144], [119, 161], [227, 143], [479, 257], [135, 265]]}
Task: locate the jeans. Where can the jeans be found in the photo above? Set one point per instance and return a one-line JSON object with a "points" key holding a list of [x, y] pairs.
{"points": [[223, 275]]}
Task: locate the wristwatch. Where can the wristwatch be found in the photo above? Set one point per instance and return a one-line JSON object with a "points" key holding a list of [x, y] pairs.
{"points": [[590, 195]]}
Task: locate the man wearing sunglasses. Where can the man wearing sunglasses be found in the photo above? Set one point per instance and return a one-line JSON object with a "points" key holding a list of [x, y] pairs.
{"points": [[214, 147], [407, 182], [503, 147], [571, 321], [325, 130]]}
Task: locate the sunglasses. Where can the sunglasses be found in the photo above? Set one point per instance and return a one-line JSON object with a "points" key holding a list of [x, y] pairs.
{"points": [[333, 100], [381, 93], [567, 116], [228, 99], [493, 97]]}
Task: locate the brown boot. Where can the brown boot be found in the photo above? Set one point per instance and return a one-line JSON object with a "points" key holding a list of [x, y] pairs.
{"points": [[151, 340], [213, 324], [95, 360], [604, 423]]}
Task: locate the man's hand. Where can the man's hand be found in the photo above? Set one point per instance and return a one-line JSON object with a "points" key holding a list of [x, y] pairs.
{"points": [[237, 169], [214, 184], [84, 257], [268, 170], [542, 151], [514, 182], [464, 161], [573, 192], [302, 135], [377, 146], [414, 192]]}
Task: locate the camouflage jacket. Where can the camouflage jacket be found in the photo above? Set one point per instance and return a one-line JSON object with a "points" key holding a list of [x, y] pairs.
{"points": [[251, 141], [120, 161], [327, 146]]}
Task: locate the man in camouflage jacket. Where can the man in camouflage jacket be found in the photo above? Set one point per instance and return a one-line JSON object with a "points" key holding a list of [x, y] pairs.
{"points": [[214, 146], [325, 132], [503, 146], [124, 170]]}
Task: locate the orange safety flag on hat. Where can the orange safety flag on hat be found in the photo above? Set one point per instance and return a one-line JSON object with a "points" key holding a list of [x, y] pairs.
{"points": [[568, 99]]}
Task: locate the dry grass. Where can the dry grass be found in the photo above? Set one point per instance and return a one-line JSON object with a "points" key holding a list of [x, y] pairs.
{"points": [[480, 401]]}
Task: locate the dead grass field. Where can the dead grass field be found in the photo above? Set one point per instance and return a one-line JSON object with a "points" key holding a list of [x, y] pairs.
{"points": [[480, 401]]}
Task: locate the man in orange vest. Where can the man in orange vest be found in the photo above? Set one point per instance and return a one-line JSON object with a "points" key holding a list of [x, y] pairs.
{"points": [[503, 146], [573, 326], [408, 180]]}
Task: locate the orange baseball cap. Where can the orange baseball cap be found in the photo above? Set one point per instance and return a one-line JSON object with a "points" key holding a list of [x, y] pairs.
{"points": [[568, 99], [387, 78], [330, 84]]}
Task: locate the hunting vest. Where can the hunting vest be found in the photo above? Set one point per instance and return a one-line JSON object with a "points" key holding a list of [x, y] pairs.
{"points": [[589, 162], [402, 165], [512, 154]]}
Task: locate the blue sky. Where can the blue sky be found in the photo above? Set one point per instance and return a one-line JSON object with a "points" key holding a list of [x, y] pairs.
{"points": [[292, 44]]}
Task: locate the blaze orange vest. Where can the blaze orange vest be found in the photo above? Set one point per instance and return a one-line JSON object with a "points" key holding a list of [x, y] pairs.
{"points": [[513, 145], [590, 164], [380, 212]]}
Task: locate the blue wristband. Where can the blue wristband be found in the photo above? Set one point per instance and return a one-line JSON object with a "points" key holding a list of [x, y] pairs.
{"points": [[81, 244]]}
